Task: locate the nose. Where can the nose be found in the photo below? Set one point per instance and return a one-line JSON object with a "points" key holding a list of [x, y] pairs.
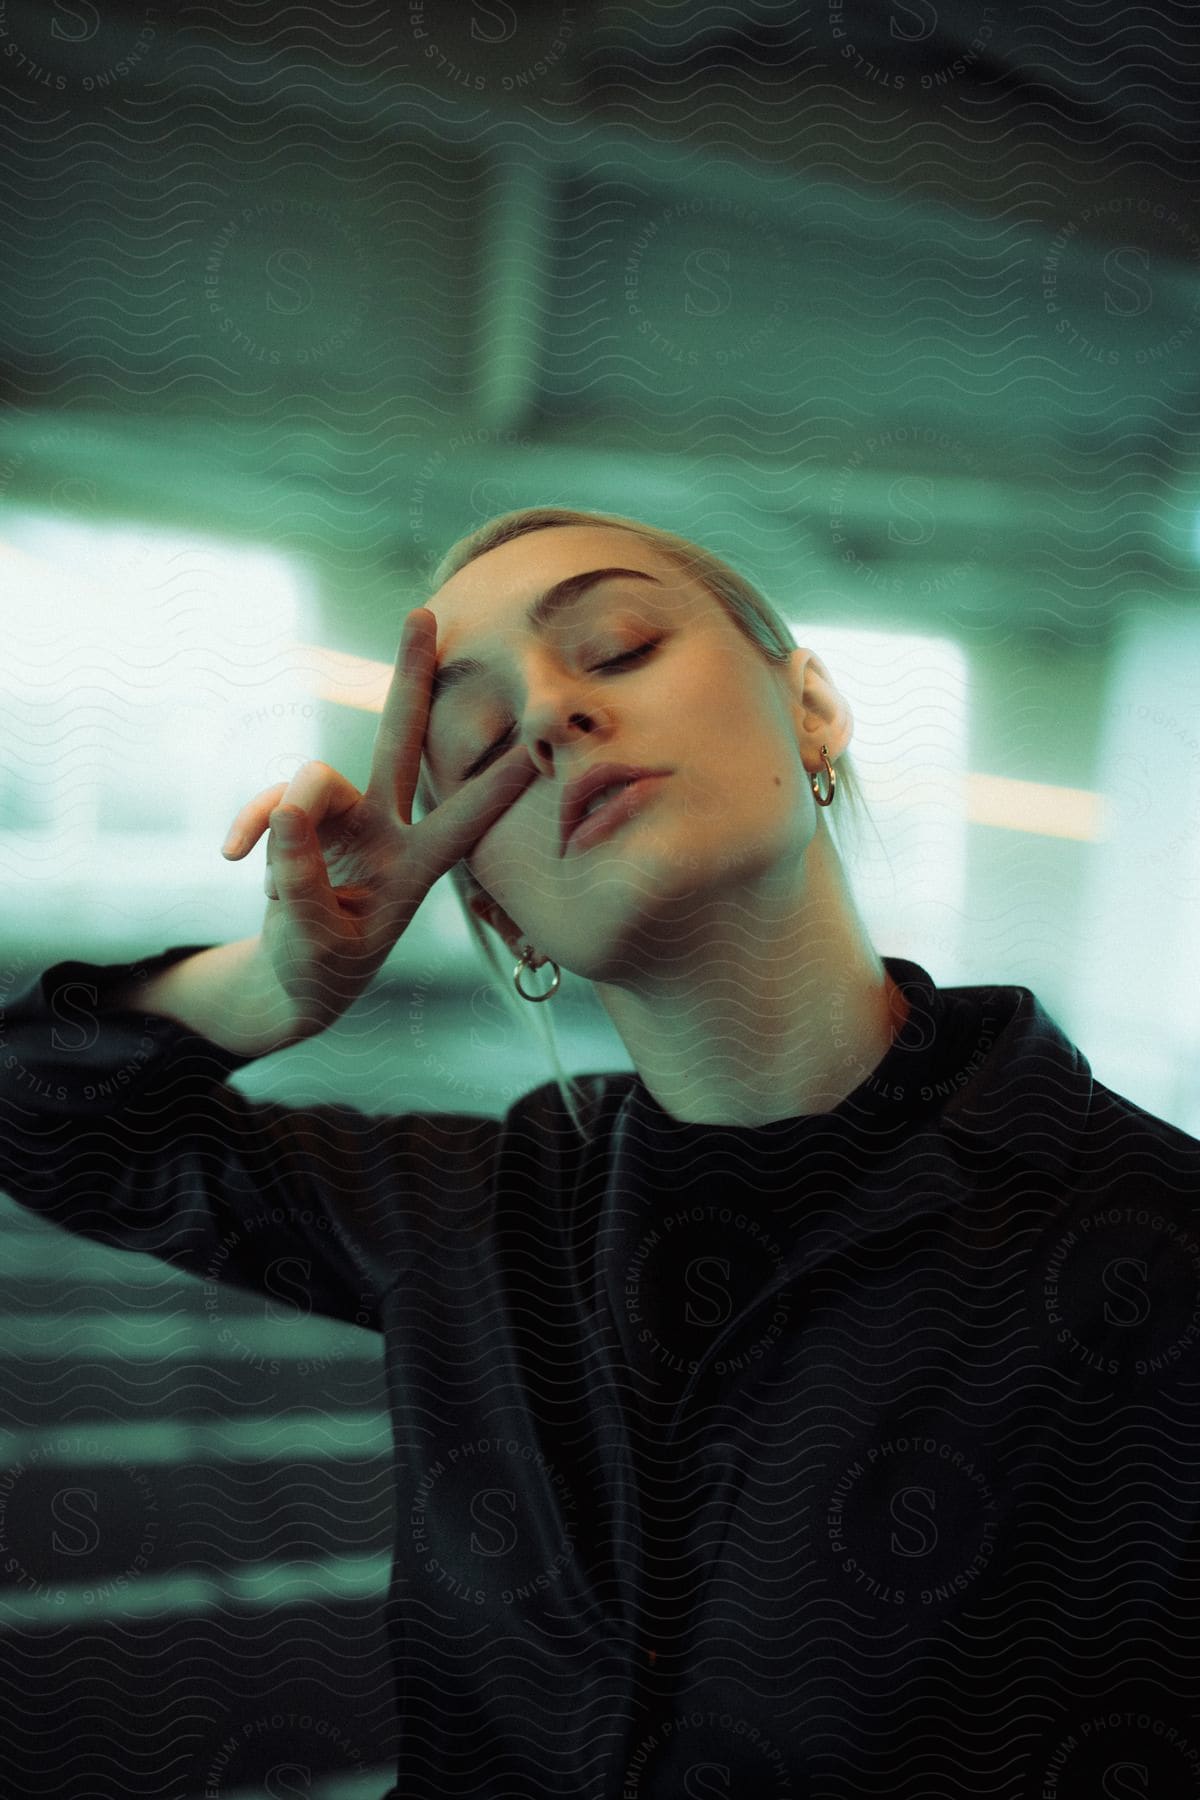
{"points": [[555, 725]]}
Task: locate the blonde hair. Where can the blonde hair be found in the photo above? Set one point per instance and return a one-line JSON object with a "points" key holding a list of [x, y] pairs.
{"points": [[750, 612]]}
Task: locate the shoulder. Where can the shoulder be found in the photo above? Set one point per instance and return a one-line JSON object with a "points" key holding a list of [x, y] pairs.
{"points": [[1118, 1125], [1036, 1097]]}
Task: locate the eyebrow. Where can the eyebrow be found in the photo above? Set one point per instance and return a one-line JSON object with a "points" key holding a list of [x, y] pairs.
{"points": [[538, 616]]}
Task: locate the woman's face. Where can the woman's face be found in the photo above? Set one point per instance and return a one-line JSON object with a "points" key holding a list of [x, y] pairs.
{"points": [[735, 806]]}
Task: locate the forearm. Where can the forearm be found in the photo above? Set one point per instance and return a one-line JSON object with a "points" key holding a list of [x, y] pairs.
{"points": [[227, 994]]}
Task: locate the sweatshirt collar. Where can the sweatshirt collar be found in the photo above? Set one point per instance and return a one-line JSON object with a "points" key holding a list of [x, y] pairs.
{"points": [[980, 1082], [986, 1066]]}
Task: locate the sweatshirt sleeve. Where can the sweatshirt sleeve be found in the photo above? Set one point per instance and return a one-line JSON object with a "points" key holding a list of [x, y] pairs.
{"points": [[120, 1126]]}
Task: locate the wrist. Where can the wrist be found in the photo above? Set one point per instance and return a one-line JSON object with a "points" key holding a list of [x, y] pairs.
{"points": [[227, 993], [266, 1017]]}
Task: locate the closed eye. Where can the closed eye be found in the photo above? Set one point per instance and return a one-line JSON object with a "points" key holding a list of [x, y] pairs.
{"points": [[615, 662]]}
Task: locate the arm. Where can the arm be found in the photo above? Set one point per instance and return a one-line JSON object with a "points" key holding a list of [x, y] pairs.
{"points": [[120, 1126], [116, 1118], [227, 994]]}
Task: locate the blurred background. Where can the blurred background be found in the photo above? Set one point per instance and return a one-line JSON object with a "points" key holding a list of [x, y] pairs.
{"points": [[896, 306]]}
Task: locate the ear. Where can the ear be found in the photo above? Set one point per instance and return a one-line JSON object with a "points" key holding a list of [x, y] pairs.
{"points": [[493, 914], [819, 709]]}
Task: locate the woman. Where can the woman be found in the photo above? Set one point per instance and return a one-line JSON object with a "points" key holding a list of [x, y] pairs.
{"points": [[810, 1411]]}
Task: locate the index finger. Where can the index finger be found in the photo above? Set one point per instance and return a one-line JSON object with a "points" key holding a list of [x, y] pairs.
{"points": [[396, 757]]}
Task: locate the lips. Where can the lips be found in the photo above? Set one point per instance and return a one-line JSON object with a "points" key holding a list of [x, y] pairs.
{"points": [[585, 787]]}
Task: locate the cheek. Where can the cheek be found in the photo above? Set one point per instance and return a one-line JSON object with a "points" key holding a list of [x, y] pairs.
{"points": [[511, 858]]}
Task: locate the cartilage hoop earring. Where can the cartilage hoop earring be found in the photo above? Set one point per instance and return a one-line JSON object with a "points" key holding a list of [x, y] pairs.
{"points": [[826, 799]]}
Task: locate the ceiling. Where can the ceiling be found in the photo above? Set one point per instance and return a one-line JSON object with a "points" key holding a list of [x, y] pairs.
{"points": [[899, 298]]}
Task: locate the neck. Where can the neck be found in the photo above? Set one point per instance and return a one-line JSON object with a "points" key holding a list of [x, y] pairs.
{"points": [[775, 1005]]}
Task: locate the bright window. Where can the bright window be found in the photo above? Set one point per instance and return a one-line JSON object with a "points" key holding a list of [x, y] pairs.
{"points": [[150, 685]]}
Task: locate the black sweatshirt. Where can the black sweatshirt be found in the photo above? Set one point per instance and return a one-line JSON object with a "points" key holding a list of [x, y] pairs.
{"points": [[857, 1453]]}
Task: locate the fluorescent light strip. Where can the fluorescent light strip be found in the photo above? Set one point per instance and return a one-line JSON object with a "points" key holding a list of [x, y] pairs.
{"points": [[110, 1597], [108, 1335], [298, 1437], [1035, 807]]}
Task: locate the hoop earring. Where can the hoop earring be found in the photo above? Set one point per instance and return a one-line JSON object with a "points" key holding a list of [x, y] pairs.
{"points": [[524, 964], [827, 799]]}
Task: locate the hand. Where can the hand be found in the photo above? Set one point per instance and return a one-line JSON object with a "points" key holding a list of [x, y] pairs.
{"points": [[343, 893]]}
